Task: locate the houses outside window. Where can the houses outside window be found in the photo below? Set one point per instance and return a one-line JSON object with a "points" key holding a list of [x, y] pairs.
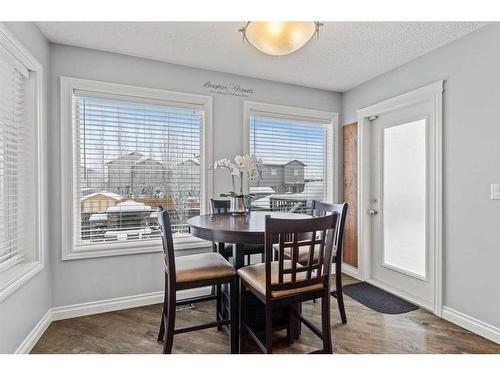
{"points": [[133, 150]]}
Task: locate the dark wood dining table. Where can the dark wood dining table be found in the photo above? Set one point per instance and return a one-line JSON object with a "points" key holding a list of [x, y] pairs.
{"points": [[241, 231], [238, 230]]}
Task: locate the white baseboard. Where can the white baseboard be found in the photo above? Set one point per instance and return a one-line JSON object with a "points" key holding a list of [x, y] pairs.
{"points": [[121, 303], [350, 271], [98, 307], [472, 324], [30, 341]]}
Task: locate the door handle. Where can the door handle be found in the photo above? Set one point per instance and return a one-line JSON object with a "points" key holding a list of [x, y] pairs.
{"points": [[373, 212]]}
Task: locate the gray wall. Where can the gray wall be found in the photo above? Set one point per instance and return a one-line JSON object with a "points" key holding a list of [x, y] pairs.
{"points": [[78, 281], [471, 133], [21, 310]]}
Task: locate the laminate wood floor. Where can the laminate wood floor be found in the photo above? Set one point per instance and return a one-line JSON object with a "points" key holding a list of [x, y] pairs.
{"points": [[367, 331]]}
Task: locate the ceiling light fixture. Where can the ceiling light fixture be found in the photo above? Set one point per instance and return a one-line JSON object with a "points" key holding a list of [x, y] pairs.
{"points": [[279, 38]]}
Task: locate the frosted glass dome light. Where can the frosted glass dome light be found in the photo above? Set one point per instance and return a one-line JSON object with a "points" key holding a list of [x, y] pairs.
{"points": [[279, 38]]}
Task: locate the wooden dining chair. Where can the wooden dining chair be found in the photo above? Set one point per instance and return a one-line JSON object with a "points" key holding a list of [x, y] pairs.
{"points": [[286, 282], [221, 206], [189, 272], [322, 209]]}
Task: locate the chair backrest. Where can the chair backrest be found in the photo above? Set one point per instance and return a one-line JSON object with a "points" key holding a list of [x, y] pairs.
{"points": [[322, 209], [220, 206], [315, 233], [168, 246]]}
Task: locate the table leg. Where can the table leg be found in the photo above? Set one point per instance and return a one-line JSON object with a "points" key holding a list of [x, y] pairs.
{"points": [[222, 250], [238, 262], [238, 255]]}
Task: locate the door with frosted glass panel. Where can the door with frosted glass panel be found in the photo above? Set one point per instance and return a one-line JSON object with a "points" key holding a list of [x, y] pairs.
{"points": [[401, 258]]}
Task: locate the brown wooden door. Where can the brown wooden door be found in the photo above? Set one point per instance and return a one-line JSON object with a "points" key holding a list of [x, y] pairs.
{"points": [[350, 143]]}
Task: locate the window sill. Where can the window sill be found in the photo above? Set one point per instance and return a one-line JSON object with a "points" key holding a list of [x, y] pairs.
{"points": [[133, 248], [13, 278]]}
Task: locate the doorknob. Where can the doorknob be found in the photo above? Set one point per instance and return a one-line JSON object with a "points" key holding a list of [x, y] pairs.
{"points": [[373, 212]]}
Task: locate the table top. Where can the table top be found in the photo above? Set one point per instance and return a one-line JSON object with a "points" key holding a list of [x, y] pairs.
{"points": [[253, 222], [235, 229]]}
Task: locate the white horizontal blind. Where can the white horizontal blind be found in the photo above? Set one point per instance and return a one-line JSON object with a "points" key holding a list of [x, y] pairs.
{"points": [[131, 157], [294, 153], [13, 135]]}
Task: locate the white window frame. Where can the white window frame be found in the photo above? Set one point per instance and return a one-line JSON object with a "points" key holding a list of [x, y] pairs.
{"points": [[67, 88], [17, 275], [332, 174]]}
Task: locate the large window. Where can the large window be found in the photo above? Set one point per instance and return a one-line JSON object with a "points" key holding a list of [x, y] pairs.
{"points": [[297, 149], [131, 155], [20, 88]]}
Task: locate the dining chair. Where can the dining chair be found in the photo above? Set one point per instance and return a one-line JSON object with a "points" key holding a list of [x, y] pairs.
{"points": [[322, 209], [189, 272], [222, 206], [286, 282]]}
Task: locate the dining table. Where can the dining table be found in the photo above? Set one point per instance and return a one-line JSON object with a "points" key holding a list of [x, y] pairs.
{"points": [[241, 231]]}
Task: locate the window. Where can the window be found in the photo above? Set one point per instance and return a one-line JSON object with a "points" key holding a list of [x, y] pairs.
{"points": [[20, 87], [132, 154], [300, 144]]}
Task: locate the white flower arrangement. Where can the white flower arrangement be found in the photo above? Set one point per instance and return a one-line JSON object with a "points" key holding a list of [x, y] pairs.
{"points": [[247, 166]]}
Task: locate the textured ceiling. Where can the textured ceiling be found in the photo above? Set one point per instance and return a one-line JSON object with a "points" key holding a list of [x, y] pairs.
{"points": [[345, 55]]}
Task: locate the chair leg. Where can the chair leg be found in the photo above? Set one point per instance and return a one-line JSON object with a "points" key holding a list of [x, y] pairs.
{"points": [[243, 316], [269, 328], [326, 324], [170, 325], [298, 323], [290, 329], [161, 334], [234, 329], [340, 295], [218, 304]]}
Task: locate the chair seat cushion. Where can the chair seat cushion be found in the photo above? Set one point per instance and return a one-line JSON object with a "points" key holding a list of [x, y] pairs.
{"points": [[255, 276], [200, 267], [303, 253]]}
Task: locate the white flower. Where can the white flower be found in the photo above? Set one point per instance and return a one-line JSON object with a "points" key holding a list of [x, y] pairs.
{"points": [[224, 163], [247, 165], [238, 159]]}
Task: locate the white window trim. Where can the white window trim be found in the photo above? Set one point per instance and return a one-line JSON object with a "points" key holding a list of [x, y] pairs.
{"points": [[331, 166], [13, 278], [68, 85]]}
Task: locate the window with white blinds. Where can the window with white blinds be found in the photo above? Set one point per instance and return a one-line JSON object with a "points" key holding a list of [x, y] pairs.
{"points": [[16, 171], [297, 160], [132, 155]]}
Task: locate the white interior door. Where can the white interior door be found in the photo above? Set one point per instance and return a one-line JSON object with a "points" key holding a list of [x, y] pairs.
{"points": [[400, 206]]}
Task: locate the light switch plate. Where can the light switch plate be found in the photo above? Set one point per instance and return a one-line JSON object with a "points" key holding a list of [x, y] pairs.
{"points": [[495, 191]]}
